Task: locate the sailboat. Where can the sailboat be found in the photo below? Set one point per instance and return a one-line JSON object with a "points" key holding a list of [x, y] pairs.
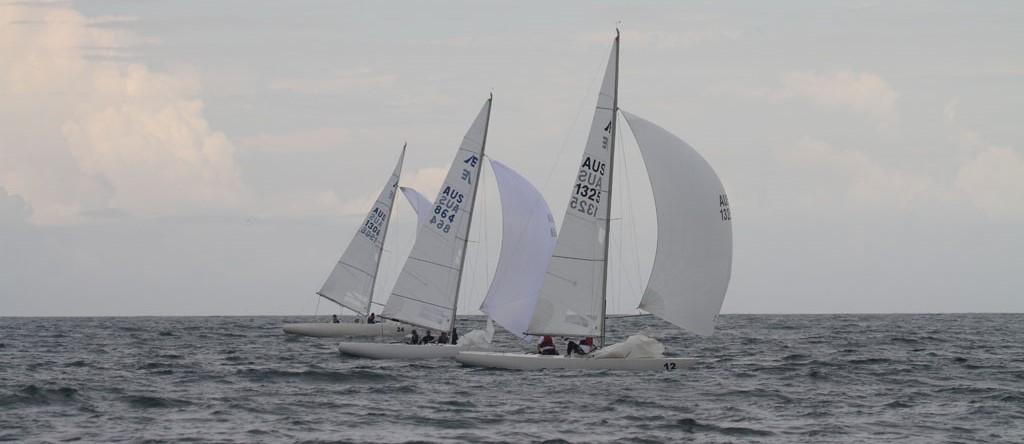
{"points": [[352, 281], [426, 293], [692, 262]]}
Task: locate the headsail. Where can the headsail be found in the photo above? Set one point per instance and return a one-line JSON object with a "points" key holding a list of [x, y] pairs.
{"points": [[419, 204], [426, 292], [527, 241], [571, 300], [692, 265], [351, 282]]}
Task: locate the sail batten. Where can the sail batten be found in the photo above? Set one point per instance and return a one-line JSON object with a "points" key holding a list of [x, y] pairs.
{"points": [[351, 282], [527, 240], [431, 274], [692, 266]]}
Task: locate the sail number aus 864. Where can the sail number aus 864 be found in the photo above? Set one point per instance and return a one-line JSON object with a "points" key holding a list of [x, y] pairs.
{"points": [[446, 209]]}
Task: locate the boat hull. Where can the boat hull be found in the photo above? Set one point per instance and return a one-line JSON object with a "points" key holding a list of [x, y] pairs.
{"points": [[523, 361], [374, 350], [329, 330]]}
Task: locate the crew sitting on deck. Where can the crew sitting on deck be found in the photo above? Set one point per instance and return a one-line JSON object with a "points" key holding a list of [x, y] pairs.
{"points": [[334, 319], [547, 346], [372, 319], [427, 338], [585, 346], [414, 338]]}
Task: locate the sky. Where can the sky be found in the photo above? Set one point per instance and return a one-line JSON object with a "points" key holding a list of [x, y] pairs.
{"points": [[214, 158]]}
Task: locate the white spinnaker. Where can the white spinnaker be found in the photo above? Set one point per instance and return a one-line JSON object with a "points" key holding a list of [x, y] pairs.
{"points": [[572, 296], [527, 241], [693, 262], [350, 283], [419, 203], [426, 291]]}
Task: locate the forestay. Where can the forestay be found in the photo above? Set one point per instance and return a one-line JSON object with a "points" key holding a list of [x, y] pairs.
{"points": [[527, 241], [693, 261], [572, 296], [350, 283], [426, 291]]}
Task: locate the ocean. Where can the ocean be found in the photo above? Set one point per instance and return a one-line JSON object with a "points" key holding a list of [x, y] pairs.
{"points": [[761, 378]]}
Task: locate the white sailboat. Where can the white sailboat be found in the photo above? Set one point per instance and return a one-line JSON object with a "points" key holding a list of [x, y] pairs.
{"points": [[692, 263], [351, 282], [426, 293]]}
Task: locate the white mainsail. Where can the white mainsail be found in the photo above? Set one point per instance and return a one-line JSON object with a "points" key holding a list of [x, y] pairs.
{"points": [[426, 292], [571, 300], [693, 261], [351, 282], [527, 241], [420, 204]]}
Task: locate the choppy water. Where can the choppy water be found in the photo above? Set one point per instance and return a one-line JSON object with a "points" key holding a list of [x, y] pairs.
{"points": [[821, 378]]}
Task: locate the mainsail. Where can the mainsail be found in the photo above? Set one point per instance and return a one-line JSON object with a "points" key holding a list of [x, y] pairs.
{"points": [[351, 282], [426, 292], [527, 241], [693, 262], [572, 300]]}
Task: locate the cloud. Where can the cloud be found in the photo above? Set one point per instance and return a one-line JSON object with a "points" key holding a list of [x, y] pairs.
{"points": [[863, 92], [13, 208], [994, 181], [117, 133], [425, 180], [829, 172], [298, 140]]}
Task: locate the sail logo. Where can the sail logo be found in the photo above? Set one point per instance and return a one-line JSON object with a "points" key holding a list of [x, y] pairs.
{"points": [[466, 175]]}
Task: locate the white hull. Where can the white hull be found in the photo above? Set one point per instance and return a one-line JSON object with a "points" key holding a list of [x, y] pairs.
{"points": [[522, 361], [375, 350], [330, 330]]}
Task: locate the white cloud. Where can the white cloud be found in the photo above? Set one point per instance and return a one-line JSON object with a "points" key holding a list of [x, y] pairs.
{"points": [[829, 172], [994, 181], [119, 134], [299, 140], [425, 180], [862, 92], [13, 207]]}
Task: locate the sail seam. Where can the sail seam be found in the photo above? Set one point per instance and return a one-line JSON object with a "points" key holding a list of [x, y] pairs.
{"points": [[420, 301], [578, 258], [432, 263]]}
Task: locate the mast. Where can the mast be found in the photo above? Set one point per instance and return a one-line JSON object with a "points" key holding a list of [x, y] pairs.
{"points": [[469, 222], [384, 237], [611, 175]]}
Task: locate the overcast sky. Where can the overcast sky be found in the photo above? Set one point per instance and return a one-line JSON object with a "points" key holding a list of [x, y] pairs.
{"points": [[162, 158]]}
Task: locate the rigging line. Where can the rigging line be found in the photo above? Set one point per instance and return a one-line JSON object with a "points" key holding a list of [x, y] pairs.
{"points": [[487, 237], [575, 122], [632, 209]]}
